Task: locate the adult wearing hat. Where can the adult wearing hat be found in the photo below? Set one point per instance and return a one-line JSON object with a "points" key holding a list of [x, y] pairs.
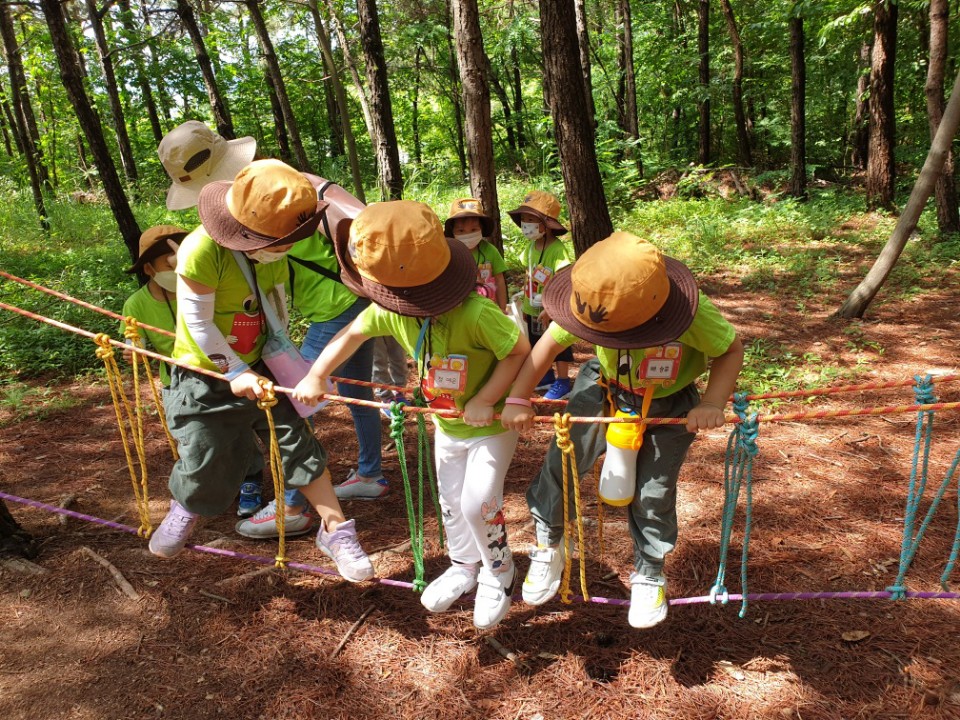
{"points": [[220, 327], [654, 334]]}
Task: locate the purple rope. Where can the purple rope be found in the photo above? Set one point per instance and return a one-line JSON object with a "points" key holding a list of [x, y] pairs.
{"points": [[317, 570]]}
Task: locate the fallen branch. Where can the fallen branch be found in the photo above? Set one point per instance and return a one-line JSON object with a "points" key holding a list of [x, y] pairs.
{"points": [[214, 596], [65, 502], [24, 567], [118, 577], [508, 654], [351, 631], [237, 579], [402, 547]]}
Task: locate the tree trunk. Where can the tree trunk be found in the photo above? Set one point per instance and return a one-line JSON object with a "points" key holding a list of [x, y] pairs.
{"points": [[273, 67], [11, 122], [518, 98], [703, 46], [474, 70], [860, 137], [798, 118], [583, 43], [863, 295], [586, 203], [126, 19], [744, 156], [455, 95], [501, 92], [113, 92], [381, 109], [69, 64], [415, 107], [221, 113], [351, 65], [14, 540], [23, 116], [341, 97], [881, 171], [629, 124], [948, 218], [279, 124]]}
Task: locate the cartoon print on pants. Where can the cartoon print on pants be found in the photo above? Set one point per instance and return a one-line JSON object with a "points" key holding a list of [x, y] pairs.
{"points": [[246, 327], [496, 536]]}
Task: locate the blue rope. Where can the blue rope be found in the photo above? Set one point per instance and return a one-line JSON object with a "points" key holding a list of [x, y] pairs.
{"points": [[923, 392], [737, 472], [956, 535]]}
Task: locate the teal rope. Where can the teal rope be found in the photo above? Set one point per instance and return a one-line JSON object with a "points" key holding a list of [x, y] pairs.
{"points": [[923, 391], [737, 472], [956, 536], [416, 529], [425, 455]]}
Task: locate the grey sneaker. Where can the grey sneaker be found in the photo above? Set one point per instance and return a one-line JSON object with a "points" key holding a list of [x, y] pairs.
{"points": [[494, 596], [264, 524], [171, 537], [648, 600], [456, 581], [344, 549], [543, 576], [357, 488]]}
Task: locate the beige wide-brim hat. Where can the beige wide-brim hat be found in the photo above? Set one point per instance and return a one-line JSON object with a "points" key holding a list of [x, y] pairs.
{"points": [[623, 293], [396, 254], [542, 205], [269, 203], [193, 156]]}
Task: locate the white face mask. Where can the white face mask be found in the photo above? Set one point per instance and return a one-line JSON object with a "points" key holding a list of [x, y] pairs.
{"points": [[531, 230], [470, 239], [167, 279], [265, 257]]}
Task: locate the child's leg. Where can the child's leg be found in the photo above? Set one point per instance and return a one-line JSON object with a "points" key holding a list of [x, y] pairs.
{"points": [[323, 499], [451, 458], [563, 370]]}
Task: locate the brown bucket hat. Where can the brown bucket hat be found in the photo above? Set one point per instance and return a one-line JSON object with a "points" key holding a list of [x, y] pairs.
{"points": [[153, 244], [468, 207], [544, 206], [623, 293], [395, 253], [269, 203]]}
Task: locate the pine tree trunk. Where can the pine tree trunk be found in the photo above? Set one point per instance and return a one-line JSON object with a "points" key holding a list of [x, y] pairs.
{"points": [[474, 70], [798, 118], [273, 67], [583, 43], [744, 155], [586, 202], [456, 95], [881, 171], [23, 116], [630, 125], [221, 113], [381, 109], [948, 217], [415, 106], [113, 93], [279, 124], [126, 19], [69, 64], [14, 540], [344, 46], [703, 46], [860, 137]]}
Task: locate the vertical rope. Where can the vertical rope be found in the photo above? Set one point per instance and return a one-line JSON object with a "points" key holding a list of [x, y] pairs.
{"points": [[415, 528], [131, 331], [268, 401], [955, 550], [562, 424]]}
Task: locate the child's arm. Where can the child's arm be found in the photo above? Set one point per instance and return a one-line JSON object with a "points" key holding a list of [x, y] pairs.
{"points": [[721, 382], [345, 343], [520, 417], [501, 291], [479, 409]]}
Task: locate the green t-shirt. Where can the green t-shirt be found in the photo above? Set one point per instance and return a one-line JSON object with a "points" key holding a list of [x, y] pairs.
{"points": [[490, 263], [476, 329], [708, 336], [541, 266], [158, 313], [236, 311], [317, 297]]}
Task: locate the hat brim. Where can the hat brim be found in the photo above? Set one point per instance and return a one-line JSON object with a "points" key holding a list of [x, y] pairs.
{"points": [[671, 322], [158, 249], [441, 295], [550, 222], [231, 234], [486, 223], [238, 155]]}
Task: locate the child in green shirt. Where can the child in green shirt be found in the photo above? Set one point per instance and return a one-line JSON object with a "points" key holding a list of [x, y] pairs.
{"points": [[469, 225]]}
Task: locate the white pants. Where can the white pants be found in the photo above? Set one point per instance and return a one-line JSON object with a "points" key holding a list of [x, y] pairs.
{"points": [[470, 474]]}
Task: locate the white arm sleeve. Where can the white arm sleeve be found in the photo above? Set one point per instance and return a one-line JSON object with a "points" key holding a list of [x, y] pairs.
{"points": [[197, 311], [279, 298]]}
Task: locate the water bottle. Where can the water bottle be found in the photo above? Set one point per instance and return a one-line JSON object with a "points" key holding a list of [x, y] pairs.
{"points": [[618, 478]]}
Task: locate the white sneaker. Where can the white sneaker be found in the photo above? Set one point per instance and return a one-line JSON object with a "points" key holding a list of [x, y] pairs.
{"points": [[456, 581], [494, 595], [648, 600], [543, 576], [264, 523]]}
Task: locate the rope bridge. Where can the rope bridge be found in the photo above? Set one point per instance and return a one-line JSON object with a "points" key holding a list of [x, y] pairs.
{"points": [[742, 448]]}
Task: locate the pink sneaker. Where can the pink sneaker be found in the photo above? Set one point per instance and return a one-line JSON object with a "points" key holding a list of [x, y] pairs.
{"points": [[343, 547], [171, 537]]}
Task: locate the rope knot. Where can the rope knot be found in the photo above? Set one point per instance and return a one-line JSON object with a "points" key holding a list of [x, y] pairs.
{"points": [[280, 561], [561, 426], [740, 404], [269, 398], [897, 592], [923, 390], [104, 349], [131, 329], [396, 420], [718, 593]]}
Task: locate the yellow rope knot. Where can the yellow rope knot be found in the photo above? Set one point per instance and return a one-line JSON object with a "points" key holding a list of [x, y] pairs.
{"points": [[269, 398], [104, 349], [275, 463], [280, 561], [131, 330], [561, 426]]}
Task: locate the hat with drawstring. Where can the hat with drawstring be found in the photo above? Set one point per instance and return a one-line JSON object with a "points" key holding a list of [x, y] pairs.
{"points": [[396, 254], [623, 293]]}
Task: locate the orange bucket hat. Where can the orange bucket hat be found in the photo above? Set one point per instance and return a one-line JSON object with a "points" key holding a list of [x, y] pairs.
{"points": [[153, 244], [468, 207], [396, 254], [623, 293], [544, 206]]}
